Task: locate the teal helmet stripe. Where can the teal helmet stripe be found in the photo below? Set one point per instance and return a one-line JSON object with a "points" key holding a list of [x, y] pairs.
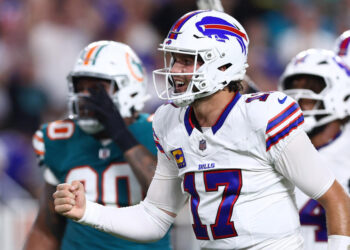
{"points": [[83, 54], [97, 53]]}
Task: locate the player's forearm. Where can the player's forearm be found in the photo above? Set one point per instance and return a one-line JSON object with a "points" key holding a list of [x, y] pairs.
{"points": [[337, 205], [142, 223], [338, 220], [48, 228], [41, 240], [143, 164]]}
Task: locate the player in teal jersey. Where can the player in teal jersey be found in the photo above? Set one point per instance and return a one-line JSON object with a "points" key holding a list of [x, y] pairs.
{"points": [[106, 143]]}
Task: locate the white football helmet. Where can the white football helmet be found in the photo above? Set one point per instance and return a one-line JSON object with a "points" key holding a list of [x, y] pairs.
{"points": [[333, 100], [342, 46], [115, 62], [214, 36]]}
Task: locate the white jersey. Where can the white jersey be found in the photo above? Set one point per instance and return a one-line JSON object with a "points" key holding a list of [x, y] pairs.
{"points": [[312, 215], [238, 198]]}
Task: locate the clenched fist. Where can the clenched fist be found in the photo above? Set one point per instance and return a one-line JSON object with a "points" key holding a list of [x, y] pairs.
{"points": [[70, 200]]}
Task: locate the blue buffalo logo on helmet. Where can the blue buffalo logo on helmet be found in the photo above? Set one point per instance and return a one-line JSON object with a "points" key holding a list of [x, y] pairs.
{"points": [[218, 28]]}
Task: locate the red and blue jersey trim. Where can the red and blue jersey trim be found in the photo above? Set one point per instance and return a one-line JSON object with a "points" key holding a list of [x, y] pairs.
{"points": [[282, 116], [225, 113], [156, 141], [189, 118], [155, 136], [160, 148], [273, 140]]}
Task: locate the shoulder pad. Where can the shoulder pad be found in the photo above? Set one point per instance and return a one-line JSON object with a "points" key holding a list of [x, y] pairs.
{"points": [[284, 116], [273, 113]]}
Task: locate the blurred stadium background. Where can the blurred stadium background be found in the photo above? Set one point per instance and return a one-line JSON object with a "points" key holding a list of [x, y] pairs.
{"points": [[40, 40]]}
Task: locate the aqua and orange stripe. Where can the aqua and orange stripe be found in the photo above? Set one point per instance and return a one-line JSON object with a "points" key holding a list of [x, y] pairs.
{"points": [[90, 56]]}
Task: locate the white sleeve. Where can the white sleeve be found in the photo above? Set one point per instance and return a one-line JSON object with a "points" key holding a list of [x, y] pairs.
{"points": [[142, 223], [165, 190], [302, 164], [146, 221]]}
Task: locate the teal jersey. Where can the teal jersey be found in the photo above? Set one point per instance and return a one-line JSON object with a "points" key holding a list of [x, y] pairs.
{"points": [[71, 154]]}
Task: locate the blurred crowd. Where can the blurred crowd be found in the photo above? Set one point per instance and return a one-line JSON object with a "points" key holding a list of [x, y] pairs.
{"points": [[40, 40]]}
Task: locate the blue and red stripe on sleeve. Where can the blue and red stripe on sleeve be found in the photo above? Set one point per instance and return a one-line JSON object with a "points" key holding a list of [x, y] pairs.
{"points": [[283, 124]]}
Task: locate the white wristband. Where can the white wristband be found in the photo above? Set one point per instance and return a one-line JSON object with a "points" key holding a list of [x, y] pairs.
{"points": [[338, 242]]}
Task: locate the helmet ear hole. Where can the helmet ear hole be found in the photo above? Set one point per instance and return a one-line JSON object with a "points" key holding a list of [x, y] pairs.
{"points": [[225, 67], [346, 98]]}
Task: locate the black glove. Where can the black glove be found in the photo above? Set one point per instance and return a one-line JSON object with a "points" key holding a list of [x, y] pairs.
{"points": [[107, 114]]}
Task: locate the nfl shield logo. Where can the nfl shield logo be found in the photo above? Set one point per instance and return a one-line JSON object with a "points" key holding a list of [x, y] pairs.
{"points": [[104, 153], [202, 145]]}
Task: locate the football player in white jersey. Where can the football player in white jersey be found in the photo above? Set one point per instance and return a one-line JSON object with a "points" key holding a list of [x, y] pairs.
{"points": [[342, 46], [237, 158], [320, 82]]}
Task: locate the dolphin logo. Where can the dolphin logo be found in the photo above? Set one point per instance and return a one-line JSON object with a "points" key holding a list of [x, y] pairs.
{"points": [[218, 28]]}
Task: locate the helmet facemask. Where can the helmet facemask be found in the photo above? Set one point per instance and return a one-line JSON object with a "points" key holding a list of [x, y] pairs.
{"points": [[166, 89], [77, 108], [210, 76], [315, 117]]}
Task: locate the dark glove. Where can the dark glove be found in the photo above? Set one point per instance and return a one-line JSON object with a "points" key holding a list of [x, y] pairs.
{"points": [[107, 114]]}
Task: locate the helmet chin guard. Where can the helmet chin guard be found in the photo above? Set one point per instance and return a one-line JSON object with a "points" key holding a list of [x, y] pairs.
{"points": [[214, 37], [90, 126]]}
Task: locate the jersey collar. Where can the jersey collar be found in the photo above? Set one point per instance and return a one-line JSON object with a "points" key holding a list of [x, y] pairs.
{"points": [[191, 121]]}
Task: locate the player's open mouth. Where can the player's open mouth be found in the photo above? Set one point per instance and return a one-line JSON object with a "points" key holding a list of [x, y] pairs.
{"points": [[180, 86]]}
